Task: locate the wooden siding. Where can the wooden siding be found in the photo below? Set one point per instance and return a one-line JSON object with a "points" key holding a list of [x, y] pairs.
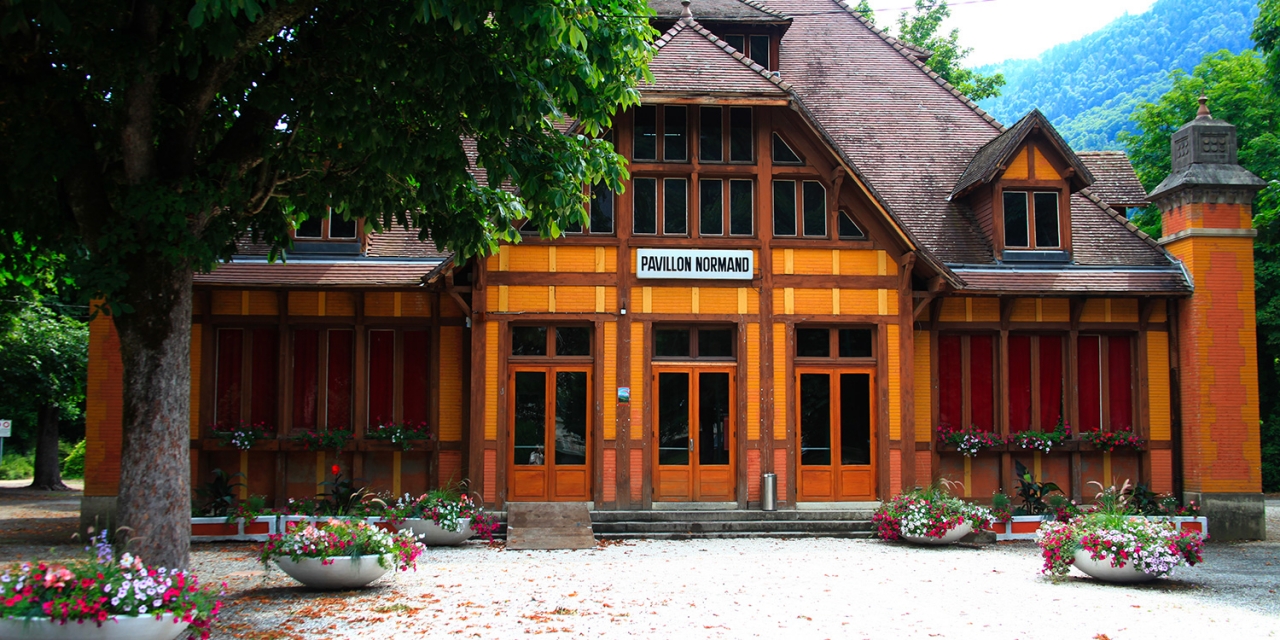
{"points": [[452, 374], [923, 396]]}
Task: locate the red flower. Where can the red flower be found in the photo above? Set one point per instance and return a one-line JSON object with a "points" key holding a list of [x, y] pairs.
{"points": [[336, 469]]}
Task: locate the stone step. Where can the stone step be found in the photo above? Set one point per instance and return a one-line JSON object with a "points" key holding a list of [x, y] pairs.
{"points": [[743, 515], [728, 526], [790, 535]]}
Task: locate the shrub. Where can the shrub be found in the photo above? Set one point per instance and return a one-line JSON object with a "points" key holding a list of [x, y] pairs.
{"points": [[73, 462], [18, 466]]}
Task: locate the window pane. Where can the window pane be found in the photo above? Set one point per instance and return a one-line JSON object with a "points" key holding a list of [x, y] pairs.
{"points": [[573, 341], [382, 358], [675, 139], [531, 417], [645, 205], [855, 343], [571, 417], [855, 418], [528, 341], [740, 135], [713, 418], [760, 50], [1120, 382], [815, 419], [813, 343], [230, 366], [782, 152], [601, 209], [741, 209], [671, 343], [849, 229], [950, 383], [784, 208], [306, 373], [417, 368], [309, 228], [1019, 383], [341, 357], [673, 418], [711, 134], [675, 206], [646, 134], [737, 42], [340, 228], [1015, 219], [265, 372], [815, 209], [981, 383], [715, 343], [1046, 220], [711, 195]]}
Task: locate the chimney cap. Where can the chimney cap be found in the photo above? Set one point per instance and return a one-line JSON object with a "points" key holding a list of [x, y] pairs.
{"points": [[685, 13], [1203, 111]]}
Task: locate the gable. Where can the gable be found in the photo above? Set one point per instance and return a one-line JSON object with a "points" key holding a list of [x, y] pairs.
{"points": [[691, 61]]}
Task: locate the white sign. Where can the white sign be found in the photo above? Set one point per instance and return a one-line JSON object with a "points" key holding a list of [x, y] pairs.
{"points": [[6, 428], [695, 264]]}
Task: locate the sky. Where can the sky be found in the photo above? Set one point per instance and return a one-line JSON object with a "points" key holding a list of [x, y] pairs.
{"points": [[1000, 30]]}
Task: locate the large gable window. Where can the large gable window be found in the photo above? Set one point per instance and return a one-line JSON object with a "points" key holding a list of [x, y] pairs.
{"points": [[673, 143], [670, 207], [803, 208], [1031, 220]]}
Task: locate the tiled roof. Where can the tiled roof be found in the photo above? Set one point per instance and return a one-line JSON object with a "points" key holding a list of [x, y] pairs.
{"points": [[1074, 280], [1114, 179], [691, 60], [1101, 235], [392, 242], [351, 273], [987, 163], [719, 11]]}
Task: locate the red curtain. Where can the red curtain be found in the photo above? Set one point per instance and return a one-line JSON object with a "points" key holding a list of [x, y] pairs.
{"points": [[230, 356], [1090, 382], [306, 372], [1120, 382], [382, 345], [950, 382], [1019, 383], [415, 376], [1050, 382], [338, 409], [266, 375], [981, 384]]}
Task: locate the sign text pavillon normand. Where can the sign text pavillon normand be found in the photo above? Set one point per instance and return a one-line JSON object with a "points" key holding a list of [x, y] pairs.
{"points": [[695, 264]]}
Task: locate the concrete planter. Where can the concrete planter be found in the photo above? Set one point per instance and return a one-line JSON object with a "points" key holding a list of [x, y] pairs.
{"points": [[120, 628], [290, 523], [1017, 528], [1102, 570], [212, 529], [952, 536], [340, 573], [429, 533]]}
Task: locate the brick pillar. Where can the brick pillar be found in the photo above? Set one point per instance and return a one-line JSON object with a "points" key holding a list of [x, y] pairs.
{"points": [[1207, 215]]}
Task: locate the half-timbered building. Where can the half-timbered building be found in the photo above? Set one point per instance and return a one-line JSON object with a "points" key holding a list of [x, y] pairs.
{"points": [[824, 254]]}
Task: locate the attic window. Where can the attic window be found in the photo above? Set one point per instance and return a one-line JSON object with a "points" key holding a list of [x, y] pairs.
{"points": [[754, 47], [782, 152], [849, 230], [1031, 220], [327, 227]]}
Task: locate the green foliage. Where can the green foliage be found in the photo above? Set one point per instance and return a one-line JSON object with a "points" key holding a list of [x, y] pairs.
{"points": [[1266, 32], [17, 466], [1032, 493], [43, 361], [921, 29], [1089, 87], [73, 461], [218, 495], [864, 8]]}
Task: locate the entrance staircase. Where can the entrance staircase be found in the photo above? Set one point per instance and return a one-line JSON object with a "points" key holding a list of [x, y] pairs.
{"points": [[731, 523]]}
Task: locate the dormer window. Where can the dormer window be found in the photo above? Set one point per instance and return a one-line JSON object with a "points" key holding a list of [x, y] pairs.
{"points": [[327, 227], [1032, 220], [752, 46]]}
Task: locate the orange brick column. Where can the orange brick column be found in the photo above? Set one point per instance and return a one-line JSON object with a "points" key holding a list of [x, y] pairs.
{"points": [[1206, 205], [104, 407]]}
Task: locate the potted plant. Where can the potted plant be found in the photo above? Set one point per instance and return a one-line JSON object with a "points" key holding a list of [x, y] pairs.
{"points": [[1114, 544], [327, 440], [342, 500], [340, 554], [403, 434], [1109, 441], [442, 517], [1042, 441], [1040, 501], [242, 436], [103, 597], [929, 516], [218, 515], [969, 442]]}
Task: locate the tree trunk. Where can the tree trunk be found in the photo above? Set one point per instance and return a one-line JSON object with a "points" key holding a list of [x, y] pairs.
{"points": [[155, 468], [48, 473]]}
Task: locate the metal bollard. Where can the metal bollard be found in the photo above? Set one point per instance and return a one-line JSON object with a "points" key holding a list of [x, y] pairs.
{"points": [[768, 492]]}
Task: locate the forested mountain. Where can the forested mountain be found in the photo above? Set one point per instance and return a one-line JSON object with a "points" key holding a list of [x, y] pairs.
{"points": [[1088, 88]]}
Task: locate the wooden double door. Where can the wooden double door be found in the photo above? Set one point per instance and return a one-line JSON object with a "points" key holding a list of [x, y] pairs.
{"points": [[695, 433], [549, 436], [835, 412]]}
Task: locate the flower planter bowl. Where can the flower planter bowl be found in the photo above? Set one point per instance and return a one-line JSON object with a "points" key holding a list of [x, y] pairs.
{"points": [[952, 536], [212, 529], [1102, 570], [340, 573], [433, 535], [121, 628]]}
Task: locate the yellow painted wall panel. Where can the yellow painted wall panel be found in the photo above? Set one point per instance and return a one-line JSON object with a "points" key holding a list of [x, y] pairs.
{"points": [[1024, 310], [1158, 384], [452, 368], [1044, 170], [1055, 310], [379, 303], [1160, 312], [1124, 310], [753, 381], [779, 381], [672, 300], [895, 382], [923, 387], [813, 301], [638, 385], [859, 263], [610, 392], [575, 299], [195, 379], [491, 397], [304, 303], [812, 261], [576, 259], [227, 303], [859, 301], [415, 304], [986, 310], [1018, 169], [718, 300], [529, 258], [953, 310], [1094, 311], [340, 303], [449, 308], [263, 303], [529, 299]]}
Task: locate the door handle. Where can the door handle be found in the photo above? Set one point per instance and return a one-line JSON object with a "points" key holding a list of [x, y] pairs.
{"points": [[691, 444]]}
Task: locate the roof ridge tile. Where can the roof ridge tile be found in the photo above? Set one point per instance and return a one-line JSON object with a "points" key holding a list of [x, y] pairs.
{"points": [[757, 5]]}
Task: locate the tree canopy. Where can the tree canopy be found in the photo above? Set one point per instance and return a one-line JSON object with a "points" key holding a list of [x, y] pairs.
{"points": [[922, 28], [148, 135]]}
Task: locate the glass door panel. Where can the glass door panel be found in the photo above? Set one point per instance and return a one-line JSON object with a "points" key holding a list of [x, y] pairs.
{"points": [[673, 418], [571, 417], [855, 418], [713, 418], [835, 412], [695, 434], [550, 435], [815, 419], [531, 418]]}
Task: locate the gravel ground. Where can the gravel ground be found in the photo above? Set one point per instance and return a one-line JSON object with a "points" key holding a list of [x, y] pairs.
{"points": [[818, 588]]}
